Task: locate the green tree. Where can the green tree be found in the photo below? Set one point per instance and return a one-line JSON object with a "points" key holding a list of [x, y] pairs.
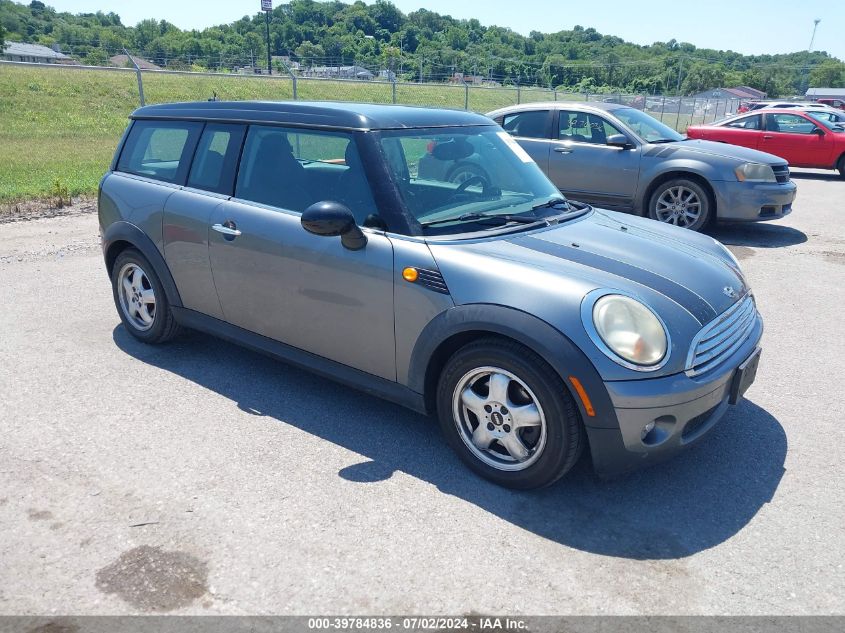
{"points": [[828, 74]]}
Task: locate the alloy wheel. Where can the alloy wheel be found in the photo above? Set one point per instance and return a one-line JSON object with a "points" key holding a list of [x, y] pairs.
{"points": [[137, 297], [678, 205], [499, 418]]}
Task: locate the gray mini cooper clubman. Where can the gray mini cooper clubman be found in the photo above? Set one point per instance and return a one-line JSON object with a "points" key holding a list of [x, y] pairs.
{"points": [[535, 328]]}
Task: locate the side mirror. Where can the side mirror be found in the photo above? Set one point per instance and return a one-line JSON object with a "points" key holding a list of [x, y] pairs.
{"points": [[619, 140], [332, 219], [818, 130]]}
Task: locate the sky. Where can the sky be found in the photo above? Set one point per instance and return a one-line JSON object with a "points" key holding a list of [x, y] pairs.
{"points": [[745, 26]]}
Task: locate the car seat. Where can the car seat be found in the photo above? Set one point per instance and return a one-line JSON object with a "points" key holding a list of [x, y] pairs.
{"points": [[277, 178]]}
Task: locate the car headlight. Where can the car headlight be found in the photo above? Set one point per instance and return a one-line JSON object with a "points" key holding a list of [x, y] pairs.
{"points": [[755, 172], [632, 334]]}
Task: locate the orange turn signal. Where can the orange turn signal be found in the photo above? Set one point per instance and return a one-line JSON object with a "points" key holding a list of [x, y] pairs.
{"points": [[410, 274], [585, 399]]}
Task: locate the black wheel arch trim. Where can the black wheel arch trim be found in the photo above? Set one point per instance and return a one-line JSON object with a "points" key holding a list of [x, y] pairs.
{"points": [[676, 173], [552, 345], [126, 232]]}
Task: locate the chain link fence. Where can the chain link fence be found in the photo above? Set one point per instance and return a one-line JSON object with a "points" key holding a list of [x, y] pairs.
{"points": [[161, 86]]}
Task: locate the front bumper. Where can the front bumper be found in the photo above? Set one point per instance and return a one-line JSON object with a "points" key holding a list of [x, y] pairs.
{"points": [[683, 409], [749, 202]]}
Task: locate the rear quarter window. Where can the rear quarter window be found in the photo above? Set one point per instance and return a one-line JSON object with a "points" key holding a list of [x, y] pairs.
{"points": [[161, 150]]}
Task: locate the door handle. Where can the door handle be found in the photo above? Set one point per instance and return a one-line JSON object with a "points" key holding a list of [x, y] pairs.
{"points": [[767, 136], [227, 228], [564, 150]]}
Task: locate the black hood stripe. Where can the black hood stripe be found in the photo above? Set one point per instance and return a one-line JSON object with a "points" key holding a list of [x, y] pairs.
{"points": [[684, 297]]}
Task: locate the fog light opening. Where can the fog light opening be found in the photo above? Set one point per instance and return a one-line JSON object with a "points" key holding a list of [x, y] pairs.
{"points": [[658, 430]]}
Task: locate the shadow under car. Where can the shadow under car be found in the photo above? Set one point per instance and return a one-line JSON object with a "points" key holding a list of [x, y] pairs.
{"points": [[672, 510]]}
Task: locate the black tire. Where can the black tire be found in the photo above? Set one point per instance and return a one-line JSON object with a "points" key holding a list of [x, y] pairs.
{"points": [[564, 433], [162, 326], [701, 195], [841, 166]]}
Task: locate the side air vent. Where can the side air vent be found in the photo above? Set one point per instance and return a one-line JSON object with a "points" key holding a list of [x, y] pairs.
{"points": [[432, 280]]}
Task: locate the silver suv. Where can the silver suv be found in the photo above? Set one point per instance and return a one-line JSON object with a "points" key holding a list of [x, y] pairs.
{"points": [[534, 327]]}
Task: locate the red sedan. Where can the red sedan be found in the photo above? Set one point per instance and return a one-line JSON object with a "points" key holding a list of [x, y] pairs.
{"points": [[801, 139]]}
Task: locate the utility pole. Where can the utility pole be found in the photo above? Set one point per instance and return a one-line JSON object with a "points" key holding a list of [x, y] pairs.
{"points": [[267, 7], [422, 59]]}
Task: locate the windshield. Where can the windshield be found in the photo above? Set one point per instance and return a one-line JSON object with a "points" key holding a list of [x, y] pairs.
{"points": [[646, 126], [467, 179]]}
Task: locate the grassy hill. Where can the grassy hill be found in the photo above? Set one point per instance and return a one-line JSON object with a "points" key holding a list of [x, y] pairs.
{"points": [[60, 126]]}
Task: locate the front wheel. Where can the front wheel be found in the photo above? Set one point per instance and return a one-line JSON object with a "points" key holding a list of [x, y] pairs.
{"points": [[508, 415], [681, 202], [841, 166]]}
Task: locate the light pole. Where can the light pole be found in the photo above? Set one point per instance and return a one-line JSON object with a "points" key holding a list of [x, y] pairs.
{"points": [[810, 50], [267, 7], [813, 38]]}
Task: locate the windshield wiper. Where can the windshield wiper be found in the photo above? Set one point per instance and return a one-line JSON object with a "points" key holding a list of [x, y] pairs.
{"points": [[498, 218], [551, 204]]}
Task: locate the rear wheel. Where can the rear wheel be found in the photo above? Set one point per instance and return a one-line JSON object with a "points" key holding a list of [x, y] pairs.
{"points": [[508, 415], [140, 299], [681, 202], [464, 171], [841, 166]]}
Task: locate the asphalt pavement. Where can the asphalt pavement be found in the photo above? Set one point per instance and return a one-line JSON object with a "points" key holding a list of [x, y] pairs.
{"points": [[202, 478]]}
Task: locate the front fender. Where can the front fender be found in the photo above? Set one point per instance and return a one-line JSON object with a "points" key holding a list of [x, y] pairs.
{"points": [[122, 231], [552, 345], [680, 166]]}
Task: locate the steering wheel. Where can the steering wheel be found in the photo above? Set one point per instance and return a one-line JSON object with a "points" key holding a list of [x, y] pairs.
{"points": [[477, 179]]}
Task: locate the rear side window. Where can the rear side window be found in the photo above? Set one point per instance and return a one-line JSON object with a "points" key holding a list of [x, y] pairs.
{"points": [[216, 158], [160, 149], [531, 124], [747, 123]]}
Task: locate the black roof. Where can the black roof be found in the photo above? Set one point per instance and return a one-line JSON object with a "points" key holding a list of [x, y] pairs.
{"points": [[351, 116]]}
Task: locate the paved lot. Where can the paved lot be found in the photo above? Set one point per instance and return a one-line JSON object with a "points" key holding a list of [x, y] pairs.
{"points": [[202, 478]]}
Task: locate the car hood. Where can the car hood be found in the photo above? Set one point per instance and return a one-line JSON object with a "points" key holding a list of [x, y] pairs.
{"points": [[711, 149], [603, 249]]}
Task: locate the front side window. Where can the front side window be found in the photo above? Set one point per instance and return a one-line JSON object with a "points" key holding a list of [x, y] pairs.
{"points": [[582, 127], [292, 169], [160, 150], [458, 180], [216, 157], [746, 123], [531, 124], [789, 124]]}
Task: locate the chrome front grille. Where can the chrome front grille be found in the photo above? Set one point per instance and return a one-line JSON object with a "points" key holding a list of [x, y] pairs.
{"points": [[722, 336], [781, 173]]}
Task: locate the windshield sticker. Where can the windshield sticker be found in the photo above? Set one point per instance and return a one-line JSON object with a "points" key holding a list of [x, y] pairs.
{"points": [[516, 147]]}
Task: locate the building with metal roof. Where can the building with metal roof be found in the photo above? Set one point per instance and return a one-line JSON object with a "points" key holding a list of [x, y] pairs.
{"points": [[36, 53]]}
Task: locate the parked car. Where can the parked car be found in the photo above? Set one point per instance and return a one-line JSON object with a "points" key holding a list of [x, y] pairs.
{"points": [[839, 104], [804, 138], [830, 116], [534, 327], [760, 105], [624, 159]]}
